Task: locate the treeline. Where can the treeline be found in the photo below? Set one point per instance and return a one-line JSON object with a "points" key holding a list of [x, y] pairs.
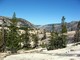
{"points": [[58, 40], [11, 39]]}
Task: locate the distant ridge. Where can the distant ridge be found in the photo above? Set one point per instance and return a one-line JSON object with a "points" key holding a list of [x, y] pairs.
{"points": [[71, 26]]}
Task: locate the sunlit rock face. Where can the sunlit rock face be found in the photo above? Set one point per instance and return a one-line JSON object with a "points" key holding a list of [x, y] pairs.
{"points": [[21, 22]]}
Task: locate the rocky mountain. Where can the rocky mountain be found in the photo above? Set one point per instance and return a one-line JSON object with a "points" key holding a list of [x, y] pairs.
{"points": [[71, 26], [21, 22]]}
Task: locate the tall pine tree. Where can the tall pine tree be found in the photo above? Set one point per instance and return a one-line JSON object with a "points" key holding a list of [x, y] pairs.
{"points": [[13, 36], [77, 35], [64, 28], [63, 32]]}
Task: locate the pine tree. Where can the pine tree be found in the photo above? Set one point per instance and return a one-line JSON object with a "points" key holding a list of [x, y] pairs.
{"points": [[58, 40], [44, 35], [77, 35], [13, 38], [35, 40], [52, 40], [26, 39], [1, 42], [78, 26], [64, 29], [53, 28], [14, 20]]}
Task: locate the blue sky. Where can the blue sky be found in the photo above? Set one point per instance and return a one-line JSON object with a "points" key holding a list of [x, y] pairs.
{"points": [[41, 12]]}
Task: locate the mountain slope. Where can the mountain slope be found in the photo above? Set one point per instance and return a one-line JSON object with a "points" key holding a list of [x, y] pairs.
{"points": [[21, 22], [71, 26]]}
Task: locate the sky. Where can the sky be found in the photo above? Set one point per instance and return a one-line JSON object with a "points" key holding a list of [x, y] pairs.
{"points": [[41, 12]]}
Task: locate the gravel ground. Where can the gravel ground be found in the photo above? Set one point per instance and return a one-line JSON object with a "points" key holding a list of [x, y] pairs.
{"points": [[68, 53]]}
